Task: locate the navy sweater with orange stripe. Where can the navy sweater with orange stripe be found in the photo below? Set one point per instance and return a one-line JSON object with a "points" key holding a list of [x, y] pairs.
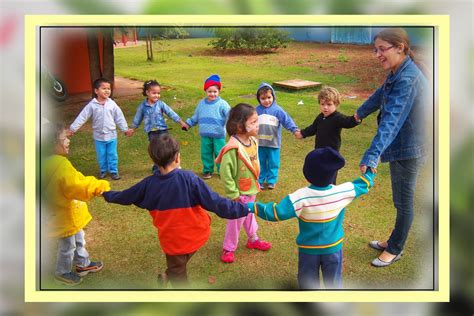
{"points": [[177, 203]]}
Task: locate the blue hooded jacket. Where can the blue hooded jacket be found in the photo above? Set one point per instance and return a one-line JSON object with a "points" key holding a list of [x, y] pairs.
{"points": [[270, 121]]}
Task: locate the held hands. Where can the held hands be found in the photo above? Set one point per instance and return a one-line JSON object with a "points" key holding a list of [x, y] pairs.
{"points": [[102, 186], [363, 169], [184, 126], [129, 132], [298, 134], [69, 133], [357, 118]]}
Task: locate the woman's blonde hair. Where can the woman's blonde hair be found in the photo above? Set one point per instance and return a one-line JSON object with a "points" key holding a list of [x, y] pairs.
{"points": [[329, 94]]}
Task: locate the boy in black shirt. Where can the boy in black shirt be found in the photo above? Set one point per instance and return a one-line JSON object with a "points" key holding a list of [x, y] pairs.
{"points": [[328, 124]]}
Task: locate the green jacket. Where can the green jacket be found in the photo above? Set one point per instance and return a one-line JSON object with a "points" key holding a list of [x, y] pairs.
{"points": [[237, 172]]}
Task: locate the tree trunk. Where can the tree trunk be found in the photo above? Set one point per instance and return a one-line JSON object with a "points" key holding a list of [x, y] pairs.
{"points": [[149, 46], [94, 57], [108, 56]]}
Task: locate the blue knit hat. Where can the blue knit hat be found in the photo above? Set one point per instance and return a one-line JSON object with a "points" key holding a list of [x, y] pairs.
{"points": [[320, 166], [213, 80]]}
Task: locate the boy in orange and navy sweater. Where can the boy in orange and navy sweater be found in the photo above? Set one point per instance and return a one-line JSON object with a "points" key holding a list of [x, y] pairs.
{"points": [[177, 200]]}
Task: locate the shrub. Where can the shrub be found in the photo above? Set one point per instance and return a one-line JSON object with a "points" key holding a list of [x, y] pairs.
{"points": [[252, 39], [175, 32], [343, 58], [164, 32]]}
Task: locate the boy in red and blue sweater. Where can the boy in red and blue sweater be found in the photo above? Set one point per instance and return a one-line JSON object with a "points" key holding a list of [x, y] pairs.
{"points": [[177, 201]]}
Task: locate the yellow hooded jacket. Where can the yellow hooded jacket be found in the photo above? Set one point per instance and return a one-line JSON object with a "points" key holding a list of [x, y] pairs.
{"points": [[65, 191]]}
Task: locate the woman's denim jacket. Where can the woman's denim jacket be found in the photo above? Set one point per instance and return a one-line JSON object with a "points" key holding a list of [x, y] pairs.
{"points": [[403, 101]]}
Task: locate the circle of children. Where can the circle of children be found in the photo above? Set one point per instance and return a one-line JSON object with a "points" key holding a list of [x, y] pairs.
{"points": [[177, 200]]}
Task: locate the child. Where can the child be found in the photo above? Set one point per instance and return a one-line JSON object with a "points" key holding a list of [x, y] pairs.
{"points": [[320, 210], [66, 190], [271, 117], [151, 110], [211, 115], [106, 114], [328, 124], [177, 200], [239, 173]]}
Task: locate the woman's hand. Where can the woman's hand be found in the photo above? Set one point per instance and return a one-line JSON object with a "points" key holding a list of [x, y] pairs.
{"points": [[363, 169], [357, 118]]}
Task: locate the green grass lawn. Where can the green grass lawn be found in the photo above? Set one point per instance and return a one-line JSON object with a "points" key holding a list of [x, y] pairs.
{"points": [[124, 237]]}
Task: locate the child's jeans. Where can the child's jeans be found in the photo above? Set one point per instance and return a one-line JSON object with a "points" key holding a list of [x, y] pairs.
{"points": [[269, 164], [309, 266], [176, 268], [232, 231], [71, 250], [107, 156], [210, 149]]}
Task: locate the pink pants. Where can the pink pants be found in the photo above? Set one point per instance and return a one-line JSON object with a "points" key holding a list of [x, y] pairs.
{"points": [[232, 231]]}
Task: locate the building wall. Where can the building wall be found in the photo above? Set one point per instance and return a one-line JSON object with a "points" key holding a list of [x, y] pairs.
{"points": [[343, 35], [65, 54]]}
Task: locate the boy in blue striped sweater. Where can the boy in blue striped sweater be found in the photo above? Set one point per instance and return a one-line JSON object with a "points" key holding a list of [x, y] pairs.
{"points": [[320, 210], [211, 115]]}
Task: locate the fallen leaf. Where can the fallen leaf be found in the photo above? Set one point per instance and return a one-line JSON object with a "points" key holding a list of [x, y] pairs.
{"points": [[211, 279]]}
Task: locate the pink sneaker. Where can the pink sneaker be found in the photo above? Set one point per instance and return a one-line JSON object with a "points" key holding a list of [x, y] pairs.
{"points": [[259, 244], [227, 256]]}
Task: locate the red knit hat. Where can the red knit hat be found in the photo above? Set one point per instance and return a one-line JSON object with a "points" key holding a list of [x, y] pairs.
{"points": [[213, 80]]}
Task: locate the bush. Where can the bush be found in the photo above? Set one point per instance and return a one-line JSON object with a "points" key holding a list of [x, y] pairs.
{"points": [[253, 39], [175, 32], [163, 32]]}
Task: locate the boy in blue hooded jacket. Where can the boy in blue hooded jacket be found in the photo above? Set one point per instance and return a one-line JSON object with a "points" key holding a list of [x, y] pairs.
{"points": [[271, 117]]}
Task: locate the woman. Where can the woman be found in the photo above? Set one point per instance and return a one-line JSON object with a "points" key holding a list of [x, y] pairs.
{"points": [[402, 101]]}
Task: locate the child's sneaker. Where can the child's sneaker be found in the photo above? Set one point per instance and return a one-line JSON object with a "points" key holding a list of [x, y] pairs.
{"points": [[102, 175], [271, 186], [227, 256], [115, 176], [259, 244], [263, 186], [206, 175], [69, 278], [94, 266], [162, 279]]}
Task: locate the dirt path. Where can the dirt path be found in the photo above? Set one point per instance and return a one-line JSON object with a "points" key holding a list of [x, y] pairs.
{"points": [[356, 61]]}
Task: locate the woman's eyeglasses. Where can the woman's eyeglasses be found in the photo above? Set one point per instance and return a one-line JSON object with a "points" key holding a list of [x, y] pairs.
{"points": [[382, 49]]}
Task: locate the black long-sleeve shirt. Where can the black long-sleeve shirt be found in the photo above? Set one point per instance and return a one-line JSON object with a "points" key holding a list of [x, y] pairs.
{"points": [[328, 129]]}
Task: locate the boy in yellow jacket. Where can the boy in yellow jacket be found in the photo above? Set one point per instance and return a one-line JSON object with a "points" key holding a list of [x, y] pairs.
{"points": [[65, 191]]}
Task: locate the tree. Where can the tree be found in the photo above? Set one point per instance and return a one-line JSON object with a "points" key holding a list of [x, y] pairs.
{"points": [[95, 69], [108, 54], [149, 45]]}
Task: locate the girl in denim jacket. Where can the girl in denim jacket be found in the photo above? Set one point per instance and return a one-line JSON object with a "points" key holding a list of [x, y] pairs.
{"points": [[239, 173], [402, 100], [152, 111]]}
